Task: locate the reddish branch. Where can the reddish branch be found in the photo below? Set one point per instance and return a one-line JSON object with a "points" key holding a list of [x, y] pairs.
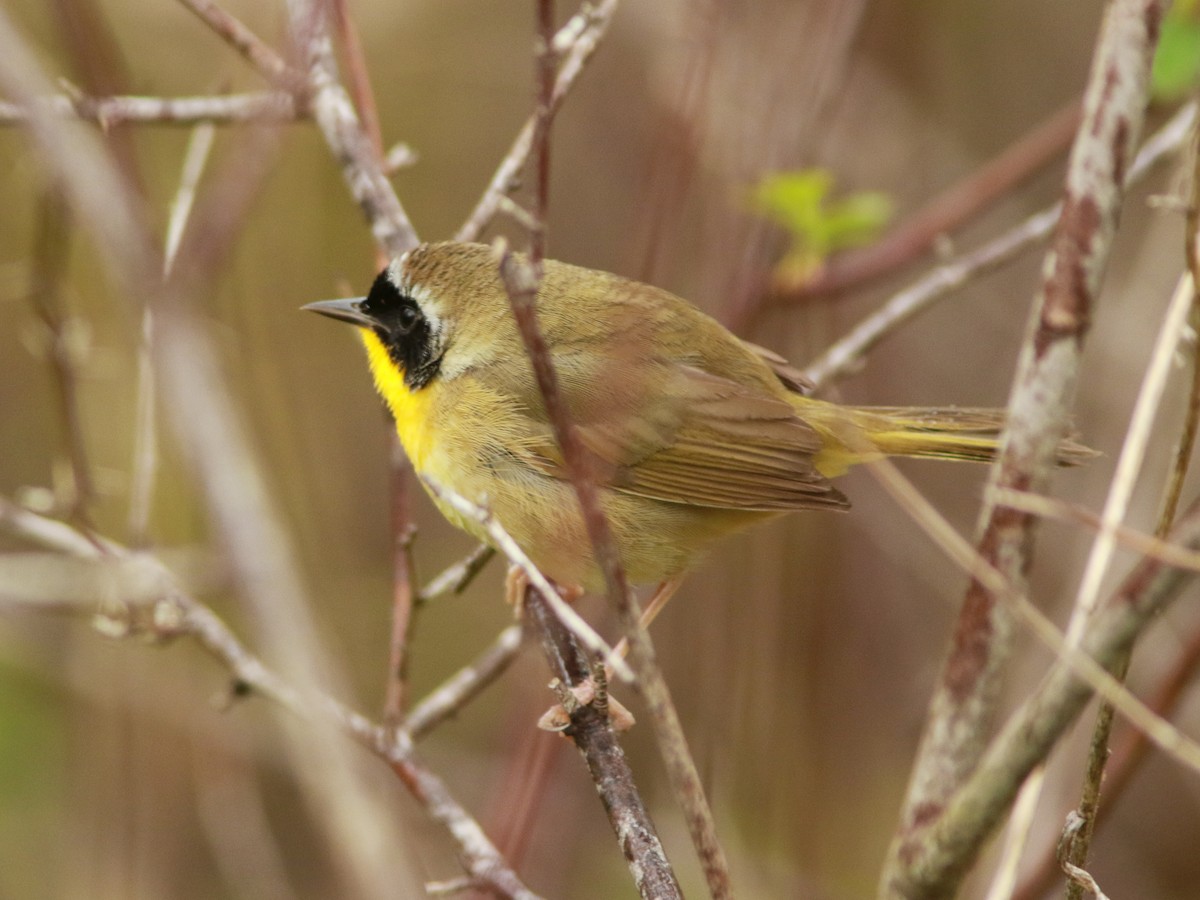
{"points": [[592, 732], [521, 281], [964, 702], [949, 210], [846, 355]]}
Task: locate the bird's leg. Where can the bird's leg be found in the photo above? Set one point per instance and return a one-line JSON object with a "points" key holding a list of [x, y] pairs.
{"points": [[663, 593], [516, 581], [584, 693]]}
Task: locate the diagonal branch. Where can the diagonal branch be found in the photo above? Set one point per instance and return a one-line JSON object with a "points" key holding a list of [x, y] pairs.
{"points": [[331, 106], [172, 612], [257, 52], [845, 355], [578, 40], [589, 726], [965, 699]]}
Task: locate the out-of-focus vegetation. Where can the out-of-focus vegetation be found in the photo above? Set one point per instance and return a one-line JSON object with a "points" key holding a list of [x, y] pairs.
{"points": [[801, 656], [1177, 62], [817, 224]]}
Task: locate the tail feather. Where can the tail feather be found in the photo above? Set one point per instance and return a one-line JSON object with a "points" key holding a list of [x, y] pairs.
{"points": [[860, 434]]}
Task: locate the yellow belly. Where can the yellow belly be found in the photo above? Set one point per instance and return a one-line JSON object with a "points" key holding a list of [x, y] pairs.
{"points": [[657, 540]]}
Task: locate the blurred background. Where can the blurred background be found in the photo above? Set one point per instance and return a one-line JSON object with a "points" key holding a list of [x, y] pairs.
{"points": [[802, 655]]}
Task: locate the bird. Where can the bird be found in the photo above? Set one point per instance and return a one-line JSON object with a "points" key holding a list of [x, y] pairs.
{"points": [[690, 433]]}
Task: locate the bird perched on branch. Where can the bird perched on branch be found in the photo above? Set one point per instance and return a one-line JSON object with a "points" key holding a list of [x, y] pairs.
{"points": [[689, 432]]}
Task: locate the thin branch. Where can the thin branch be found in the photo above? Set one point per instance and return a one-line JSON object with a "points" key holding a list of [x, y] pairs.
{"points": [[257, 52], [455, 578], [591, 730], [108, 112], [49, 266], [404, 608], [145, 438], [1078, 839], [359, 78], [1062, 511], [972, 812], [1167, 736], [457, 691], [965, 699], [521, 279], [361, 165], [521, 283], [575, 42], [949, 210], [1127, 758], [1102, 649], [506, 545], [847, 354], [173, 612], [1116, 505]]}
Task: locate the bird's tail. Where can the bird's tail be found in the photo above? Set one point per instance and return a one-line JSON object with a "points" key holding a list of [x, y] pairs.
{"points": [[859, 434]]}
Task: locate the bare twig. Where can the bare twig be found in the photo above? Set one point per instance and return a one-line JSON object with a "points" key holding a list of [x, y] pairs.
{"points": [[359, 79], [1129, 465], [455, 578], [49, 267], [844, 356], [956, 205], [458, 690], [521, 285], [592, 732], [1062, 511], [1078, 878], [228, 109], [946, 851], [145, 439], [1126, 760], [173, 612], [965, 698], [521, 280], [575, 42], [361, 165], [506, 545], [203, 417], [1186, 305], [404, 608], [264, 58], [1083, 667]]}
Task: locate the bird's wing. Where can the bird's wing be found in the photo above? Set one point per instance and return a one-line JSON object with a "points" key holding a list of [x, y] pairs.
{"points": [[670, 431]]}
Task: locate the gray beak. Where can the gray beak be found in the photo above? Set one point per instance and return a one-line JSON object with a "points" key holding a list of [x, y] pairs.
{"points": [[348, 310]]}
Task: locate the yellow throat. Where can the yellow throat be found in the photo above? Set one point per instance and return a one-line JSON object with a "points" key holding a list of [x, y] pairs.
{"points": [[410, 409]]}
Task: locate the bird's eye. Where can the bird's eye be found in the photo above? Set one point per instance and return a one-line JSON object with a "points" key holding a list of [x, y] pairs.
{"points": [[406, 318]]}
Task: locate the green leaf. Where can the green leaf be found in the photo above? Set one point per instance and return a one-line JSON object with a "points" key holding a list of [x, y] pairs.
{"points": [[1176, 69], [799, 202]]}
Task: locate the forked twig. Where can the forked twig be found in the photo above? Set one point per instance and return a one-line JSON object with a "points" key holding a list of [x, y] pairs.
{"points": [[965, 700], [846, 354], [576, 41], [174, 612]]}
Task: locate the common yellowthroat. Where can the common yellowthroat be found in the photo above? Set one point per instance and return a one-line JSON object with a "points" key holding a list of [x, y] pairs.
{"points": [[692, 433]]}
